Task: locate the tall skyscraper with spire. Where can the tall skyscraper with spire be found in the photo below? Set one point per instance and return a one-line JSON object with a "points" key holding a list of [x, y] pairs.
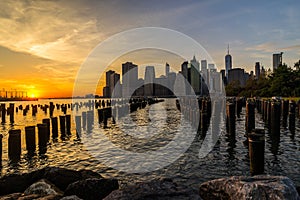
{"points": [[228, 63]]}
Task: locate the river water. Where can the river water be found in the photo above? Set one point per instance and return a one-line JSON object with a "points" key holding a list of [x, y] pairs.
{"points": [[228, 157]]}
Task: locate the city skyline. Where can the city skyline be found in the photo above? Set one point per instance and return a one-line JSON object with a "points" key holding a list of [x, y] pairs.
{"points": [[43, 43]]}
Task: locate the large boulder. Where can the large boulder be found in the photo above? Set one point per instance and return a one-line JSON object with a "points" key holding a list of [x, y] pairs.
{"points": [[63, 177], [60, 177], [256, 187], [43, 188], [14, 183], [155, 189], [92, 188]]}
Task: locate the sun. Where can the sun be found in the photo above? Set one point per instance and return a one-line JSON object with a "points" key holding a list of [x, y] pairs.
{"points": [[32, 95]]}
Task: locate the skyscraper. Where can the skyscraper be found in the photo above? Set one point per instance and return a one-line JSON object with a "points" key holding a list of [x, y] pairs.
{"points": [[167, 69], [228, 62], [129, 78], [114, 89], [277, 60], [149, 81], [257, 70]]}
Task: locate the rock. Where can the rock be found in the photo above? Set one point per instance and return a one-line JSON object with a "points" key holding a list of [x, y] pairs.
{"points": [[72, 197], [256, 187], [156, 189], [63, 177], [92, 188], [29, 197], [11, 196], [43, 188], [17, 183]]}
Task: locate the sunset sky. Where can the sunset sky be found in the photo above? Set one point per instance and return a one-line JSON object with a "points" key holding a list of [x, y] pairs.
{"points": [[43, 43]]}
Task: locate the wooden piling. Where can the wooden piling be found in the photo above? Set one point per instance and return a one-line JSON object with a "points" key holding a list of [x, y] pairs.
{"points": [[100, 115], [30, 138], [284, 111], [42, 137], [14, 144], [68, 124], [54, 127], [47, 122], [3, 112], [256, 141], [250, 116], [78, 126], [230, 113], [275, 117], [90, 120], [1, 137], [84, 120], [62, 123], [292, 116]]}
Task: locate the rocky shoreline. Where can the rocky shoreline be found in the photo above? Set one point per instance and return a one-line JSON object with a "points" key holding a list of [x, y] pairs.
{"points": [[53, 183]]}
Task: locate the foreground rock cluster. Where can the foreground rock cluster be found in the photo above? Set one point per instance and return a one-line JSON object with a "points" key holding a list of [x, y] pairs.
{"points": [[57, 183]]}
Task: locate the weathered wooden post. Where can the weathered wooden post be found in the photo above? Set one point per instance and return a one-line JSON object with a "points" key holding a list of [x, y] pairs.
{"points": [[78, 126], [250, 116], [292, 115], [30, 139], [203, 121], [3, 112], [47, 122], [54, 127], [62, 123], [1, 136], [256, 141], [43, 137], [11, 112], [105, 117], [84, 120], [90, 120], [68, 124], [230, 112], [51, 109], [285, 112], [14, 144], [275, 117], [100, 115]]}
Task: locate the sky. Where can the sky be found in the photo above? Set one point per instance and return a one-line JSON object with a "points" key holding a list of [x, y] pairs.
{"points": [[43, 43]]}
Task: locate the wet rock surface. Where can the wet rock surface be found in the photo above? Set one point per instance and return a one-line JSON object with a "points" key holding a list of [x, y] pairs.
{"points": [[50, 182], [256, 187], [156, 189], [92, 188]]}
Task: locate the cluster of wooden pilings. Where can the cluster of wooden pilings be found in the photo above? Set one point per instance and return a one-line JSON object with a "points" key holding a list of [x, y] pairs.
{"points": [[274, 112], [49, 128], [196, 110]]}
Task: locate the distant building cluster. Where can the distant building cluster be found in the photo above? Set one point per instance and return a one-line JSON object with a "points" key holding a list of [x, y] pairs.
{"points": [[239, 75], [199, 80]]}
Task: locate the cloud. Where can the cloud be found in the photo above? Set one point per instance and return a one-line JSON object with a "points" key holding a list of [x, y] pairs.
{"points": [[47, 29], [267, 47]]}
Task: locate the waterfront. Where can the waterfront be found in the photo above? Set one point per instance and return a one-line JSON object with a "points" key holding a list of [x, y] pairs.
{"points": [[227, 158]]}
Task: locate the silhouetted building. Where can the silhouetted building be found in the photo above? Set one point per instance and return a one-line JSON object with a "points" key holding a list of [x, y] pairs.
{"points": [[224, 78], [277, 60], [228, 62], [114, 85], [106, 92], [149, 81], [237, 75], [167, 69], [129, 78], [257, 70], [204, 70], [185, 73]]}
